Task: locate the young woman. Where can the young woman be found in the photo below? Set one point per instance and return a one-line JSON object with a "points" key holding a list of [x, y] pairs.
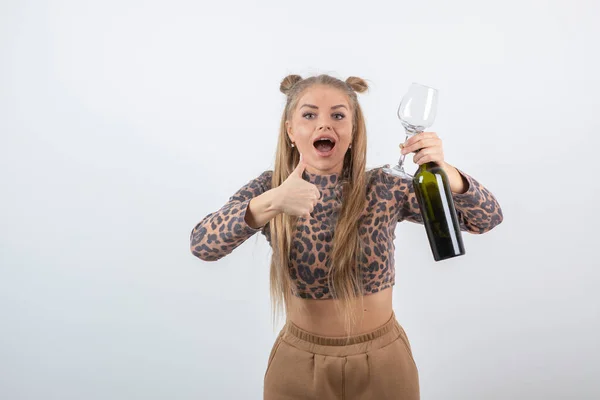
{"points": [[331, 224]]}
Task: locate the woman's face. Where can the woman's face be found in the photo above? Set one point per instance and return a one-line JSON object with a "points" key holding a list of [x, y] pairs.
{"points": [[322, 112]]}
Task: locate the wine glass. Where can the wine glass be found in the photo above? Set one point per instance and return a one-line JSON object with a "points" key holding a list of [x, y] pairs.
{"points": [[417, 112]]}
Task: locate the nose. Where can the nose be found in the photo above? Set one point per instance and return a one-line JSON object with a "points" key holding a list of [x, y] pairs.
{"points": [[324, 127]]}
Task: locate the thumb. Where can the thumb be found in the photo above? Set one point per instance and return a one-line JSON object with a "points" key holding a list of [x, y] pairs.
{"points": [[300, 167]]}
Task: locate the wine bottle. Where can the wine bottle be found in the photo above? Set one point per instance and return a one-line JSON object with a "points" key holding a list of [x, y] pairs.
{"points": [[437, 209]]}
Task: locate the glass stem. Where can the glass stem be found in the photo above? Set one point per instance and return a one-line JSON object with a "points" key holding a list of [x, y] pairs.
{"points": [[402, 156]]}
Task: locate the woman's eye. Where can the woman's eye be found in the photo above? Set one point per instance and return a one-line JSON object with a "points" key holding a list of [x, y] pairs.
{"points": [[336, 116]]}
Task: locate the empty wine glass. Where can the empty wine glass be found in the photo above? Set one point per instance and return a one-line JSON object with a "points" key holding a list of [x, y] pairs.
{"points": [[417, 112]]}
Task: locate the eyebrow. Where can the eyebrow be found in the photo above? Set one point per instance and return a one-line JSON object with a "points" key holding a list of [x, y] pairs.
{"points": [[316, 108]]}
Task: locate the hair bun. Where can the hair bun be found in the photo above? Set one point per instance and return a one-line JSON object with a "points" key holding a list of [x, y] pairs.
{"points": [[357, 84], [288, 83]]}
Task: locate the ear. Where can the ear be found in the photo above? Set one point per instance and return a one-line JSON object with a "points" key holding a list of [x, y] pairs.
{"points": [[288, 129]]}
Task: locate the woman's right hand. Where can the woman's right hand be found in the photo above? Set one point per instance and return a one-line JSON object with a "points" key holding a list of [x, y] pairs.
{"points": [[295, 196]]}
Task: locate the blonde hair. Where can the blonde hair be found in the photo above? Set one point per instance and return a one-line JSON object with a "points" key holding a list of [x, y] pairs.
{"points": [[344, 276]]}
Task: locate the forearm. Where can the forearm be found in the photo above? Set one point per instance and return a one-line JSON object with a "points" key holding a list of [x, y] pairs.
{"points": [[477, 209], [262, 209]]}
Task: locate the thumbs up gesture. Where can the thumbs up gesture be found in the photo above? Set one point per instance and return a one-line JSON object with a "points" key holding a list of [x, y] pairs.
{"points": [[295, 196]]}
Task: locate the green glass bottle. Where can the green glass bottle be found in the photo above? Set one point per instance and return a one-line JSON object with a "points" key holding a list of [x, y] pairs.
{"points": [[437, 208]]}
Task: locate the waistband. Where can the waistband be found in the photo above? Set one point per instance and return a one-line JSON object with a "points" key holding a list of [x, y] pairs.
{"points": [[341, 341], [342, 346]]}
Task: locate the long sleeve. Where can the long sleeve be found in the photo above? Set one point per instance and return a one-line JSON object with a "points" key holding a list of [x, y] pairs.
{"points": [[477, 209], [220, 232]]}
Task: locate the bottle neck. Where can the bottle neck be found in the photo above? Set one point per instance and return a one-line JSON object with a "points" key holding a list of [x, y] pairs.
{"points": [[428, 166]]}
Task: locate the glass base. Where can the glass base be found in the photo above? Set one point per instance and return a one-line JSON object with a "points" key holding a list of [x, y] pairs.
{"points": [[397, 171]]}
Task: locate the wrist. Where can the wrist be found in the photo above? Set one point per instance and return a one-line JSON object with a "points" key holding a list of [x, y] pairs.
{"points": [[458, 184], [273, 200]]}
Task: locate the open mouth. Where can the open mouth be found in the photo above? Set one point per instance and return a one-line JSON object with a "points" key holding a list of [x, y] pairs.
{"points": [[324, 145]]}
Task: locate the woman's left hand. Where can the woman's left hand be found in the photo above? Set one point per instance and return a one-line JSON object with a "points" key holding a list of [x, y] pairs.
{"points": [[428, 147]]}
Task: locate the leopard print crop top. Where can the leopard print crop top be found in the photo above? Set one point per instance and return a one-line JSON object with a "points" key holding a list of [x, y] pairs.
{"points": [[390, 199]]}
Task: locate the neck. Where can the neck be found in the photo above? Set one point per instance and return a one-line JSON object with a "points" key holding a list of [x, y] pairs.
{"points": [[315, 171]]}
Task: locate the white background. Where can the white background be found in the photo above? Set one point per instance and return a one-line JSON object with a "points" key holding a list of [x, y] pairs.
{"points": [[123, 123]]}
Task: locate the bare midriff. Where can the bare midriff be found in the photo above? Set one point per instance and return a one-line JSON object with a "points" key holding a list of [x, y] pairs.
{"points": [[321, 317]]}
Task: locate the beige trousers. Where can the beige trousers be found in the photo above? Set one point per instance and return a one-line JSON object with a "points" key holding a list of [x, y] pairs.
{"points": [[375, 365]]}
